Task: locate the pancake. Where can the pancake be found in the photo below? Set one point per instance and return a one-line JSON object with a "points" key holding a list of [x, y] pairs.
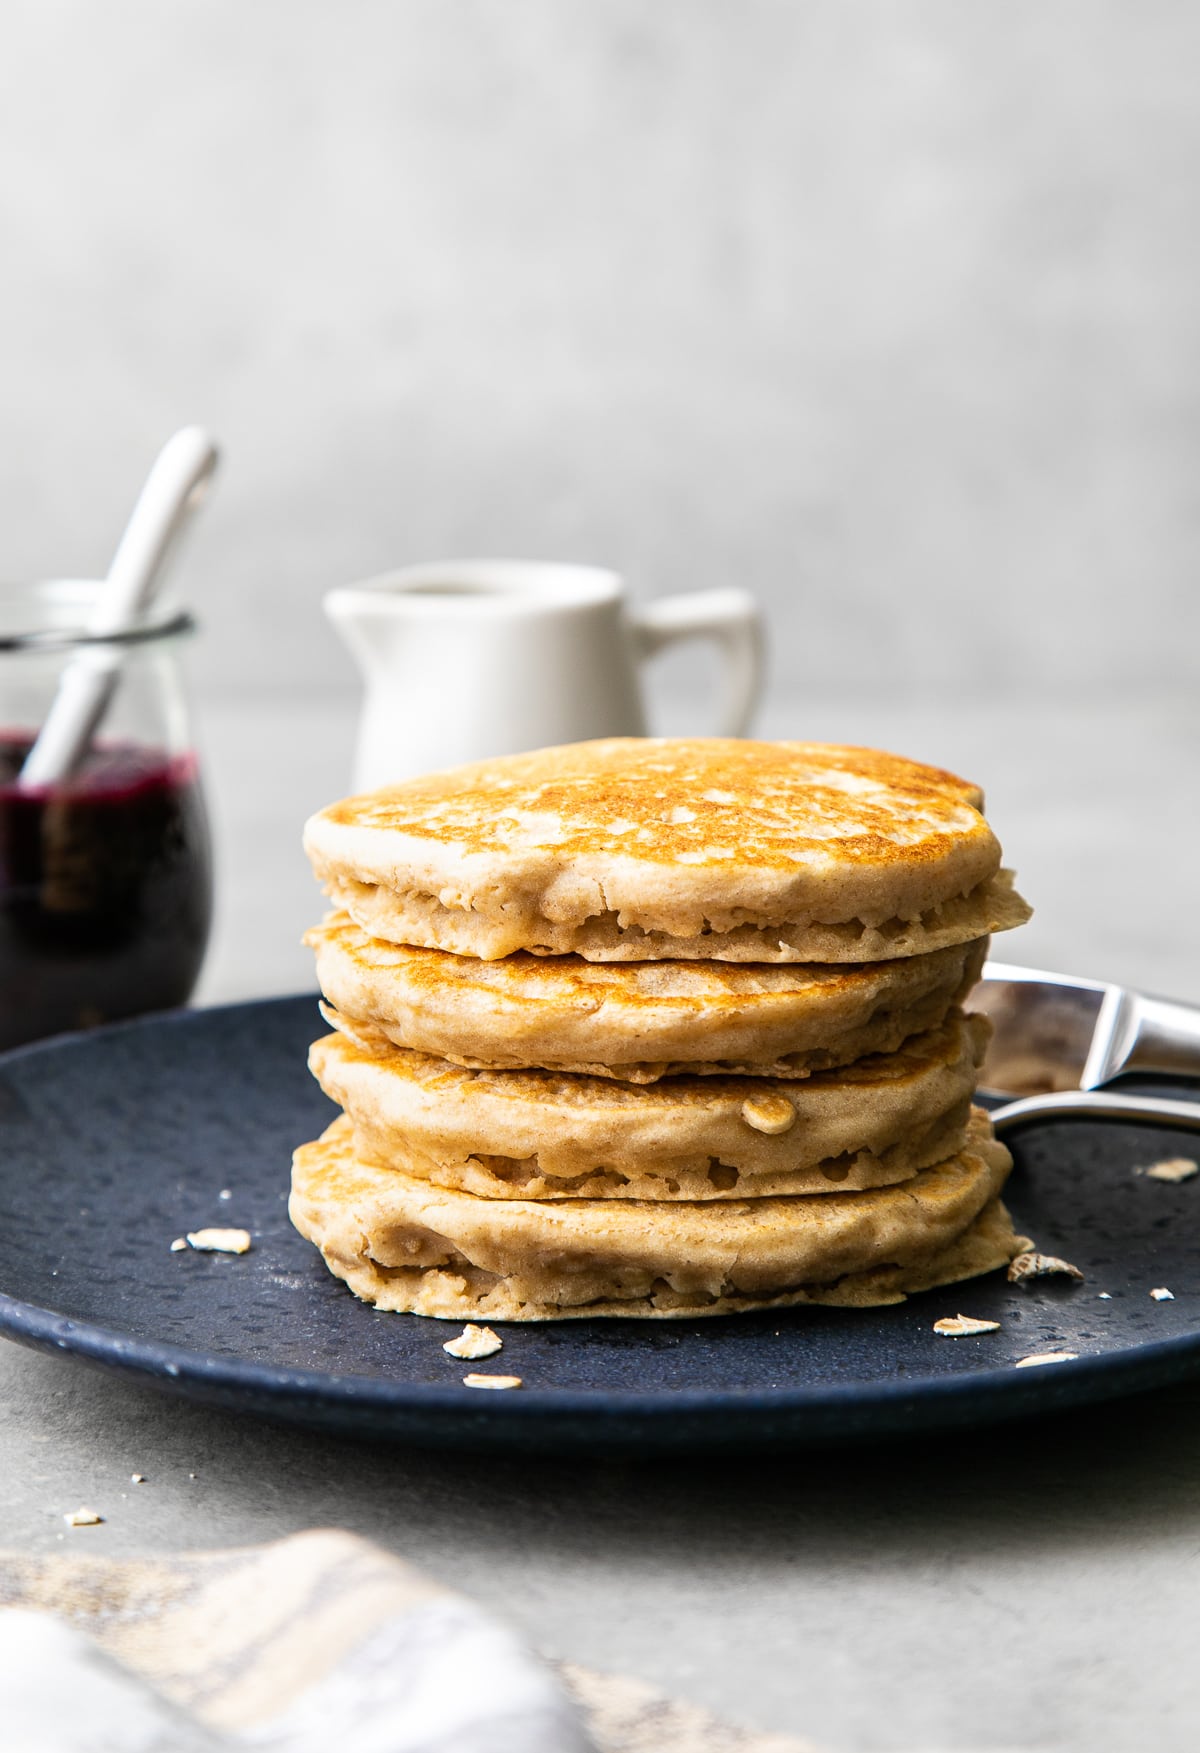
{"points": [[636, 1021], [404, 1245], [554, 1135], [639, 849]]}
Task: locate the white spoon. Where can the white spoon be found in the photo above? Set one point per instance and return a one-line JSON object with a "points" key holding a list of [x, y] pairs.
{"points": [[174, 487]]}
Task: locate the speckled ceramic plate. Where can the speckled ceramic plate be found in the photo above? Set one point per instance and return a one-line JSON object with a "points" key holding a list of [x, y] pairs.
{"points": [[115, 1143]]}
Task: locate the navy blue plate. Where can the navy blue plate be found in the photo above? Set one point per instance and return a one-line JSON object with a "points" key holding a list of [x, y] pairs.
{"points": [[115, 1143]]}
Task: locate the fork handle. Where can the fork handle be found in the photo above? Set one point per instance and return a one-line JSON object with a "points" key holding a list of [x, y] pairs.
{"points": [[1134, 1033], [1095, 1105]]}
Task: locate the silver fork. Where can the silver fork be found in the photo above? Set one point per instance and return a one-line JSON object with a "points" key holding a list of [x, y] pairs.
{"points": [[1095, 1105]]}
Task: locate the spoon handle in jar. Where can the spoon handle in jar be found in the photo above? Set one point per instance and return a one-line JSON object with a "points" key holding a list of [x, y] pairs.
{"points": [[173, 488]]}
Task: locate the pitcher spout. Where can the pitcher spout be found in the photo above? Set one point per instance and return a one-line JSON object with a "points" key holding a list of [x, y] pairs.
{"points": [[368, 625]]}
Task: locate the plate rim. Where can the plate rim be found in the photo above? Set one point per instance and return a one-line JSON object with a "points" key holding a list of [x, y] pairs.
{"points": [[665, 1417]]}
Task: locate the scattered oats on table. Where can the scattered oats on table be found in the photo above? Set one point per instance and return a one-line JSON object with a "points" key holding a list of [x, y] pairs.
{"points": [[137, 1479], [1039, 1357], [219, 1241], [964, 1326], [1162, 1295], [475, 1380], [179, 1244], [474, 1342], [1172, 1168], [83, 1518], [1032, 1265]]}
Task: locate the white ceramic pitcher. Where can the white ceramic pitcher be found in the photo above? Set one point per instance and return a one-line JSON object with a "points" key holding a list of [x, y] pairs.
{"points": [[471, 658]]}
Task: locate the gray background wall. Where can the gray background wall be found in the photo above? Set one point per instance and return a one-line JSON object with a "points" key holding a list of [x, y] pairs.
{"points": [[888, 309]]}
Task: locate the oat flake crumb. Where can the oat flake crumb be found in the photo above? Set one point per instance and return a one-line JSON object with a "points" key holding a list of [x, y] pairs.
{"points": [[478, 1381], [771, 1114], [1172, 1168], [179, 1244], [1163, 1295], [219, 1241], [964, 1326], [1105, 1296], [1038, 1357], [83, 1518], [137, 1479], [474, 1342], [1031, 1265]]}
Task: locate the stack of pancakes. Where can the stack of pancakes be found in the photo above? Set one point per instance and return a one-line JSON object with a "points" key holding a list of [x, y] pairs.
{"points": [[655, 1027]]}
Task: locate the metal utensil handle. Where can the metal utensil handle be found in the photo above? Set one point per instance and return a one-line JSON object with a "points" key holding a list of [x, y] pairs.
{"points": [[1095, 1105], [1134, 1033]]}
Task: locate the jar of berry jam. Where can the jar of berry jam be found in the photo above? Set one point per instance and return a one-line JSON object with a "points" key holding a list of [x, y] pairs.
{"points": [[106, 874]]}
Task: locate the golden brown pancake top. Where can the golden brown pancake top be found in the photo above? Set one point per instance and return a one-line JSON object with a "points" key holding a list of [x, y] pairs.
{"points": [[675, 836], [689, 802]]}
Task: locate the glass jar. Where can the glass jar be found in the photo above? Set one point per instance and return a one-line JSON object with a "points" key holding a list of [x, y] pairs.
{"points": [[105, 875]]}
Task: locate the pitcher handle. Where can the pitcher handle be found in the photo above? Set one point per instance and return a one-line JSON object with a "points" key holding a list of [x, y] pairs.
{"points": [[730, 617]]}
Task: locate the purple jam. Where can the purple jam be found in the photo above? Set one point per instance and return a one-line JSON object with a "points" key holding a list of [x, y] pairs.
{"points": [[105, 889]]}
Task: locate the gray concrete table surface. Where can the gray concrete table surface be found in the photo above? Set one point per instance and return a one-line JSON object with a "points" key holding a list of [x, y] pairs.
{"points": [[1034, 1586]]}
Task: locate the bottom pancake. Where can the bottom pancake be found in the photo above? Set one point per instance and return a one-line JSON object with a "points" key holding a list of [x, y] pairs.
{"points": [[406, 1246]]}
